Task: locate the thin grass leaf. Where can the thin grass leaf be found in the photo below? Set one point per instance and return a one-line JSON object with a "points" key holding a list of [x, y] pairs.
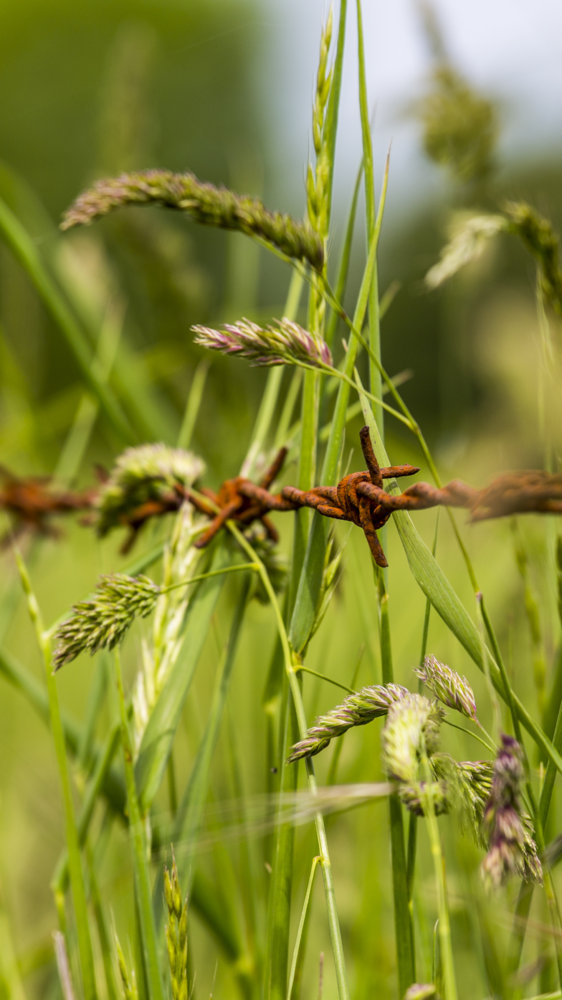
{"points": [[434, 584], [279, 909], [310, 581], [25, 251], [375, 380], [103, 929], [93, 792], [188, 818], [77, 882], [297, 961], [10, 976], [139, 851], [159, 734], [403, 923]]}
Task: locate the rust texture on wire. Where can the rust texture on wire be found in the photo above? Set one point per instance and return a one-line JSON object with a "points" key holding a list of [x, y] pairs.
{"points": [[32, 501], [359, 498]]}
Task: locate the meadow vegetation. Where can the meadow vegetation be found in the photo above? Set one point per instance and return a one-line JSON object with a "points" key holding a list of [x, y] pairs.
{"points": [[272, 729]]}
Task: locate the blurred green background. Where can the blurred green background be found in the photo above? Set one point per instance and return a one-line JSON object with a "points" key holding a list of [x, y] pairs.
{"points": [[92, 89]]}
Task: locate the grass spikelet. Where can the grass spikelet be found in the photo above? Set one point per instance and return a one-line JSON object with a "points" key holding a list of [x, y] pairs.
{"points": [[418, 796], [459, 126], [469, 783], [202, 202], [412, 728], [448, 686], [411, 733], [365, 705], [511, 848], [149, 473], [176, 933], [128, 981], [421, 991], [317, 178], [102, 621], [537, 234], [469, 236], [282, 342]]}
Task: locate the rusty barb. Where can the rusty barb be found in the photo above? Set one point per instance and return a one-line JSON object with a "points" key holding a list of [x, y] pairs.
{"points": [[32, 502], [359, 497]]}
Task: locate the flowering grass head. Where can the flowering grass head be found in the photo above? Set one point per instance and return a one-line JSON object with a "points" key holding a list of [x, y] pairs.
{"points": [[511, 848], [202, 202], [359, 708], [151, 473], [102, 621], [448, 686], [282, 342]]}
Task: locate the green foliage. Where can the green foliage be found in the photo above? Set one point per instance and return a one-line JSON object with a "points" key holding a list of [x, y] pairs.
{"points": [[194, 736]]}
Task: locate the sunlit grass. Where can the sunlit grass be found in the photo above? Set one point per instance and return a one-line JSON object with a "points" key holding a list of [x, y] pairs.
{"points": [[352, 874]]}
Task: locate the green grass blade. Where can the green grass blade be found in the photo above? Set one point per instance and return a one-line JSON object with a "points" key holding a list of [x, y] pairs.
{"points": [[139, 851], [306, 603], [25, 251], [158, 737], [11, 983], [190, 811], [375, 380], [431, 579], [403, 926], [297, 962], [77, 883], [279, 912], [94, 790]]}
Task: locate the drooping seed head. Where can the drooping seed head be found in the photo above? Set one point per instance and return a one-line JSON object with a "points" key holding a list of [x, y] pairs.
{"points": [[448, 686], [357, 710], [202, 202]]}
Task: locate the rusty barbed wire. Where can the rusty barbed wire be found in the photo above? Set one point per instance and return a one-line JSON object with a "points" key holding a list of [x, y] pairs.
{"points": [[359, 498], [33, 501]]}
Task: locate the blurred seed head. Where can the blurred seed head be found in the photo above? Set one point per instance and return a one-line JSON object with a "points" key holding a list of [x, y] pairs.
{"points": [[448, 686]]}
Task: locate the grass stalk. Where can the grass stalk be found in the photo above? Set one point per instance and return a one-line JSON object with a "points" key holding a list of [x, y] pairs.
{"points": [[25, 251], [403, 925], [139, 852], [444, 929], [298, 950], [291, 661], [77, 883], [375, 381]]}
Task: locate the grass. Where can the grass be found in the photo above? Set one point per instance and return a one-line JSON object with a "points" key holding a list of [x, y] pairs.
{"points": [[194, 858]]}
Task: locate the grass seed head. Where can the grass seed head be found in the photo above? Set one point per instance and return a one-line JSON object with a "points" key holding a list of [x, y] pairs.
{"points": [[151, 472], [421, 991], [448, 686], [511, 848], [103, 621], [282, 342], [358, 709], [411, 730], [202, 202]]}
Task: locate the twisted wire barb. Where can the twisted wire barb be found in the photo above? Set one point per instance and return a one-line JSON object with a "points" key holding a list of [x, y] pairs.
{"points": [[359, 497]]}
